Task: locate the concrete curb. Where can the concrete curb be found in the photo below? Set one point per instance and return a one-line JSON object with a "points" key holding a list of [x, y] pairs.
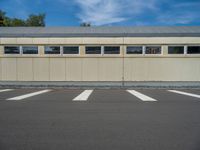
{"points": [[99, 85]]}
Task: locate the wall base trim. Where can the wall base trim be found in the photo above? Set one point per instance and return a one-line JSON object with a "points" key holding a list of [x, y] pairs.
{"points": [[99, 85]]}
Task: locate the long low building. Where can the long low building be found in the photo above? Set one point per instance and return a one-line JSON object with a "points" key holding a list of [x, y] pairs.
{"points": [[100, 53]]}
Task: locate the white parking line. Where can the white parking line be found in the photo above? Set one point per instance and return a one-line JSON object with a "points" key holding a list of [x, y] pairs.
{"points": [[83, 96], [6, 90], [141, 96], [185, 93], [28, 95]]}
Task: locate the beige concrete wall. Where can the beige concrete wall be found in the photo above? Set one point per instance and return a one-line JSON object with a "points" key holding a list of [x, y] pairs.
{"points": [[83, 67], [162, 69], [61, 69], [57, 69], [41, 69], [100, 69], [9, 69], [25, 69], [73, 69]]}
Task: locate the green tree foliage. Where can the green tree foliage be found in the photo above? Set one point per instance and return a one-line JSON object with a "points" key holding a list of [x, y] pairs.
{"points": [[17, 22], [36, 20], [32, 20], [2, 17]]}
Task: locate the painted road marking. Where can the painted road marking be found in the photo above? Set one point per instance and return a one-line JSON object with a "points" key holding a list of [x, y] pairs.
{"points": [[185, 93], [141, 96], [28, 95], [6, 90], [83, 96]]}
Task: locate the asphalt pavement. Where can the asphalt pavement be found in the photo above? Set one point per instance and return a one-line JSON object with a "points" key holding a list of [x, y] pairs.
{"points": [[106, 119]]}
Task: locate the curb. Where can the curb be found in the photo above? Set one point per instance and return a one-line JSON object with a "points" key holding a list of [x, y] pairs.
{"points": [[101, 85]]}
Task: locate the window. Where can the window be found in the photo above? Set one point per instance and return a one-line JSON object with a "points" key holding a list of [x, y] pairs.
{"points": [[93, 50], [134, 50], [30, 49], [11, 50], [176, 50], [70, 50], [153, 50], [52, 49], [111, 50], [193, 50]]}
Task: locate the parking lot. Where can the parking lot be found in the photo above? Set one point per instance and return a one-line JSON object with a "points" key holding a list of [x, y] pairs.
{"points": [[104, 119]]}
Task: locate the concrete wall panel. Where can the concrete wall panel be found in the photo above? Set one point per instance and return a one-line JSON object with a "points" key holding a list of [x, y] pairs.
{"points": [[162, 69], [41, 69], [90, 69], [102, 41], [1, 50], [28, 41], [110, 69], [40, 41], [25, 69], [57, 69], [162, 40], [9, 41], [9, 69], [74, 69]]}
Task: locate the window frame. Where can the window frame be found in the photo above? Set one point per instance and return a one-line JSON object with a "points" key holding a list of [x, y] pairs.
{"points": [[112, 46], [62, 50], [60, 54], [134, 46], [145, 48], [101, 54], [192, 54], [15, 54], [22, 52], [184, 50]]}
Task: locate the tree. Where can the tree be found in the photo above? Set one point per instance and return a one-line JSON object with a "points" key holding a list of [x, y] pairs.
{"points": [[2, 16], [85, 24], [36, 20], [18, 22], [33, 20]]}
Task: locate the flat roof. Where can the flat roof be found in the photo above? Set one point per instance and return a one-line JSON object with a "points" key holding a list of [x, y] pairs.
{"points": [[137, 31]]}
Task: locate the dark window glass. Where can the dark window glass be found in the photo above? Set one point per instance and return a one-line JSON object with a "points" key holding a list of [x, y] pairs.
{"points": [[70, 50], [193, 50], [93, 50], [153, 50], [176, 50], [134, 50], [11, 50], [52, 49], [111, 50], [30, 49]]}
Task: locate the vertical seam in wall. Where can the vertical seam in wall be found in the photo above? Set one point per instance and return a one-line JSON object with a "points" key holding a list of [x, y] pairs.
{"points": [[49, 69], [123, 59], [32, 70], [16, 63], [82, 69], [1, 69], [65, 69], [98, 69]]}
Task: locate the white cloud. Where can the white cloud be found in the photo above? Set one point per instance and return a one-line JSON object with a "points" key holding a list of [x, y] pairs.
{"points": [[102, 12]]}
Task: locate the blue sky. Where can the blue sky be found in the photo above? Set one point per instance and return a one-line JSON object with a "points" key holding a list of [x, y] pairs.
{"points": [[108, 12]]}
